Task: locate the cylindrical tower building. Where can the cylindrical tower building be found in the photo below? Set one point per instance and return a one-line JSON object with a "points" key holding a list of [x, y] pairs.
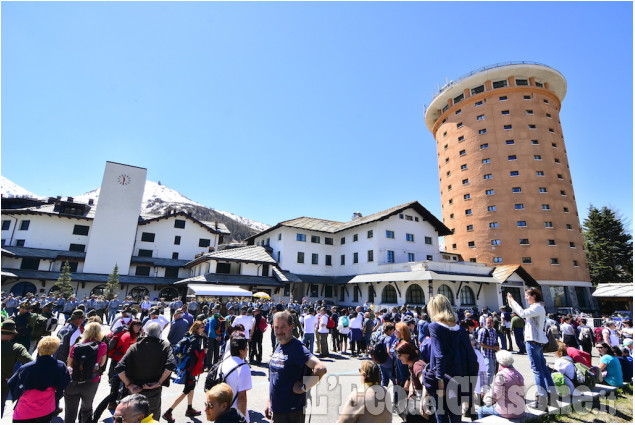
{"points": [[506, 188]]}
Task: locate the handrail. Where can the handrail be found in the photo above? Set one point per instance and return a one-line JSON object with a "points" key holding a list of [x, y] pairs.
{"points": [[485, 68]]}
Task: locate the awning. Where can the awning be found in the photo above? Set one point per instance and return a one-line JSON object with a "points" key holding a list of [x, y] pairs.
{"points": [[614, 290], [219, 290], [419, 276]]}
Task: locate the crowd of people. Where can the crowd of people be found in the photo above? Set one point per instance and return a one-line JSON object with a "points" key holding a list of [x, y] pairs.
{"points": [[427, 363]]}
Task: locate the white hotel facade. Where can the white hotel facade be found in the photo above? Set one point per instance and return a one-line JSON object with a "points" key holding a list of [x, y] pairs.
{"points": [[389, 258]]}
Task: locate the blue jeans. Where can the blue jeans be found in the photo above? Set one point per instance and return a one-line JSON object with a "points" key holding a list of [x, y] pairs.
{"points": [[487, 411], [112, 312], [491, 370], [520, 339], [501, 336], [542, 374], [308, 340], [386, 375]]}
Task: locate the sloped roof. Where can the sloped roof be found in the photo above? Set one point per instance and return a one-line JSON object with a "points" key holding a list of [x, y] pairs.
{"points": [[328, 226], [231, 279], [158, 262], [48, 254], [89, 277], [285, 276], [246, 254], [614, 290], [49, 209], [502, 273], [211, 226]]}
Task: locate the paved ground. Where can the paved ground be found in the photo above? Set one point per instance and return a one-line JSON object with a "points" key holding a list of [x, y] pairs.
{"points": [[327, 396]]}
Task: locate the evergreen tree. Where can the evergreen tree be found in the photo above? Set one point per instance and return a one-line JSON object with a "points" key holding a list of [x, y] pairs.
{"points": [[64, 286], [112, 286], [609, 248]]}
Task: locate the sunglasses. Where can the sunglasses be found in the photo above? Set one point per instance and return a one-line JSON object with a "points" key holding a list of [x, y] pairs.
{"points": [[117, 419], [208, 405], [600, 348]]}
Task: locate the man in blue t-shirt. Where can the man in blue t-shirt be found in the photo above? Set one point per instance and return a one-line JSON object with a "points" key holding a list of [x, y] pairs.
{"points": [[288, 383]]}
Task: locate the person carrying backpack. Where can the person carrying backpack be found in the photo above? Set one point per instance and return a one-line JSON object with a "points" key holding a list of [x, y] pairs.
{"points": [[85, 359], [118, 345], [190, 358], [585, 336]]}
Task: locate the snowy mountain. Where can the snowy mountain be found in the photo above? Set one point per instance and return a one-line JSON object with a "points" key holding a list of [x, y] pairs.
{"points": [[159, 200], [12, 190]]}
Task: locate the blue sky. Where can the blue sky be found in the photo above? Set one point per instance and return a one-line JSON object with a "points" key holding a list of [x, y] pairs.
{"points": [[278, 110]]}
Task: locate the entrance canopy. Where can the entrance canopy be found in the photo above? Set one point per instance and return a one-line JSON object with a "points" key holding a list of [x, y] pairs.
{"points": [[218, 290]]}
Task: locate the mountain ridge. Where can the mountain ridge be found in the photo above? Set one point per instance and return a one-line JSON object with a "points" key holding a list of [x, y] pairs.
{"points": [[158, 200]]}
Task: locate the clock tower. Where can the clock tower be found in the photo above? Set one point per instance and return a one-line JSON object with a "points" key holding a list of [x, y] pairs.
{"points": [[114, 228]]}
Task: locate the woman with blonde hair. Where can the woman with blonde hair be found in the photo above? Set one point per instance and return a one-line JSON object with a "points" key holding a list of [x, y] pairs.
{"points": [[356, 408], [38, 385], [452, 358], [85, 359]]}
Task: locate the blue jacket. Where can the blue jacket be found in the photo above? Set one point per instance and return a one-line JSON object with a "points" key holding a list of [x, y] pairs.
{"points": [[451, 352], [42, 373]]}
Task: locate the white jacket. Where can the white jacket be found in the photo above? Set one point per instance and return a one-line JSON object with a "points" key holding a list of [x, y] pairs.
{"points": [[534, 321]]}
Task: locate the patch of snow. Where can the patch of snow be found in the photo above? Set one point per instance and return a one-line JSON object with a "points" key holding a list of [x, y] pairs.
{"points": [[12, 190], [251, 223]]}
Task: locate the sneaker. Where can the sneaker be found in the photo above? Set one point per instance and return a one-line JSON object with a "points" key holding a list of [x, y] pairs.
{"points": [[168, 417], [192, 412]]}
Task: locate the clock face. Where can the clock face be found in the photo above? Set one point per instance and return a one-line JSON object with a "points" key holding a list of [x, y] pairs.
{"points": [[123, 179]]}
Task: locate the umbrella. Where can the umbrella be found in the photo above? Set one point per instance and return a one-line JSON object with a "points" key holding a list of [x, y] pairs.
{"points": [[262, 295]]}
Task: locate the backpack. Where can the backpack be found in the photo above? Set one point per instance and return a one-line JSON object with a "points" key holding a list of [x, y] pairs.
{"points": [[85, 368], [378, 351], [597, 331], [215, 376], [584, 375], [552, 344], [112, 340], [51, 324], [331, 323], [345, 321], [586, 337], [262, 325]]}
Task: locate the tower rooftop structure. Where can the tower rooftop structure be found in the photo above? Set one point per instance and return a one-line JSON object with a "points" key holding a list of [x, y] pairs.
{"points": [[549, 77]]}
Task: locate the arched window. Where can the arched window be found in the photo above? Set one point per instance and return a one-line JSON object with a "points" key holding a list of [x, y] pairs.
{"points": [[138, 293], [414, 295], [169, 293], [445, 290], [389, 295], [467, 296], [98, 290], [23, 288]]}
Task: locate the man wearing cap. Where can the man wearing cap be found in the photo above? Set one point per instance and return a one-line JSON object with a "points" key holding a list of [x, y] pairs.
{"points": [[175, 305], [192, 307], [25, 323], [178, 328], [45, 324], [628, 344], [122, 319], [70, 306], [255, 345], [11, 353], [69, 334], [214, 331], [59, 306], [155, 317], [145, 307], [113, 307], [11, 304]]}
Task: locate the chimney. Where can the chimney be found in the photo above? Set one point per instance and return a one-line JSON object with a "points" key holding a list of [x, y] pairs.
{"points": [[356, 215], [216, 225], [59, 198], [91, 201], [69, 199]]}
